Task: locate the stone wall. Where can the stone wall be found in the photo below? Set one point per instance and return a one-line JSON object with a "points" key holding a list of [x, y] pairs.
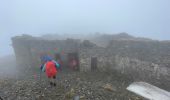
{"points": [[142, 60], [28, 50], [22, 51], [151, 51], [141, 70]]}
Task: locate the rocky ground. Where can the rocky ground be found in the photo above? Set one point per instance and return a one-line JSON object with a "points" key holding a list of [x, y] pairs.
{"points": [[70, 86]]}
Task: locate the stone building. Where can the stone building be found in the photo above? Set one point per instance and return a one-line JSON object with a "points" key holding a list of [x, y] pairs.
{"points": [[136, 57]]}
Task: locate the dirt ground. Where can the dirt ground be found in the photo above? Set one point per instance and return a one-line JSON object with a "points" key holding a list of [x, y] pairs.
{"points": [[70, 86]]}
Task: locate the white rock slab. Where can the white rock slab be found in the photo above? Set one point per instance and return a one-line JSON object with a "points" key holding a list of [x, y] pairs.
{"points": [[149, 91]]}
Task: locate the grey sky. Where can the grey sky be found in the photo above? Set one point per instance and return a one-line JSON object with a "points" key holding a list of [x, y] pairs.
{"points": [[147, 18]]}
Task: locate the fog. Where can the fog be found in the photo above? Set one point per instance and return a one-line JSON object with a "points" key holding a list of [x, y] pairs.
{"points": [[36, 17], [8, 67], [110, 62]]}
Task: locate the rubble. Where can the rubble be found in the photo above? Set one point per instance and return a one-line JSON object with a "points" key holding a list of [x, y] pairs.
{"points": [[109, 87], [70, 94], [87, 87]]}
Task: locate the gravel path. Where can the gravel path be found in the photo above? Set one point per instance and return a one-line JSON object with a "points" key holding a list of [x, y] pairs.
{"points": [[85, 86]]}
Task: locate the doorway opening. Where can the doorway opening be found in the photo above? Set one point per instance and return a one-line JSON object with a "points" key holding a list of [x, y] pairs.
{"points": [[93, 63], [57, 56], [73, 61]]}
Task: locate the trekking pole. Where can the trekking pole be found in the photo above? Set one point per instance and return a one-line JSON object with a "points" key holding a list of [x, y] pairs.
{"points": [[40, 76]]}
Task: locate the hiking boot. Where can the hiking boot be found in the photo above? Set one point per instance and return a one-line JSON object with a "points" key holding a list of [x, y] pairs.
{"points": [[54, 84], [51, 83]]}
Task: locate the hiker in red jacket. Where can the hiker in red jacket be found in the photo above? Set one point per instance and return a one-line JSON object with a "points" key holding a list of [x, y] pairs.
{"points": [[50, 67]]}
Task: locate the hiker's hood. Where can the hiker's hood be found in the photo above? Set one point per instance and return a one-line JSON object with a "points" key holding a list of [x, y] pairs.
{"points": [[46, 58]]}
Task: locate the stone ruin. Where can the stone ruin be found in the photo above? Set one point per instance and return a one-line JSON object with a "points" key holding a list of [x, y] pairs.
{"points": [[143, 59]]}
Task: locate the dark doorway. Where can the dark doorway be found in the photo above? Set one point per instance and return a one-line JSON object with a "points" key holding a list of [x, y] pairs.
{"points": [[57, 56], [93, 63], [73, 61]]}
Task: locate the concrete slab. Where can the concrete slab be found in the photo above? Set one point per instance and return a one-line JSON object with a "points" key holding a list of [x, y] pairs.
{"points": [[149, 91]]}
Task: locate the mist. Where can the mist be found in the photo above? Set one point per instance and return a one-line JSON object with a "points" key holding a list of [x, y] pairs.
{"points": [[84, 49], [138, 18], [8, 67]]}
